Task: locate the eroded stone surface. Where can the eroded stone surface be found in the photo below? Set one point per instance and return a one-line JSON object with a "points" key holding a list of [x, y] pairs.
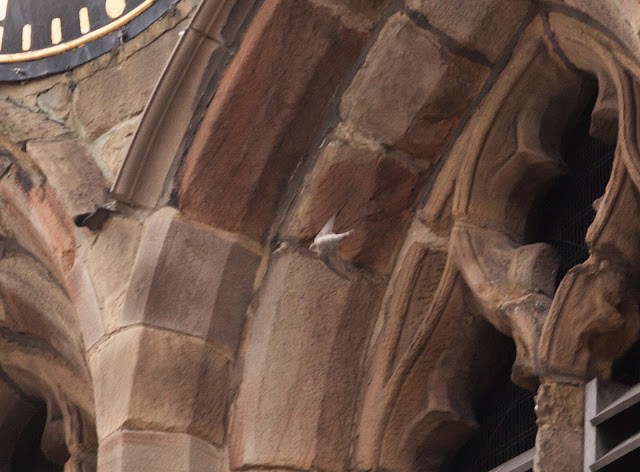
{"points": [[266, 112], [56, 101], [163, 380], [189, 279], [411, 91], [362, 14], [376, 208], [72, 173], [304, 352], [22, 123], [560, 410], [118, 92], [487, 26]]}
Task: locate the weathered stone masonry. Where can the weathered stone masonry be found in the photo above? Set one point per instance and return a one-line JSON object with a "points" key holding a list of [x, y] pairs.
{"points": [[196, 331]]}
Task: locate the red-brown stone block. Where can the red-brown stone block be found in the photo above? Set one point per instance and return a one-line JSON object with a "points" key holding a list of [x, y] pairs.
{"points": [[302, 367], [487, 26], [189, 279], [266, 112], [34, 216], [371, 191], [76, 178], [411, 91]]}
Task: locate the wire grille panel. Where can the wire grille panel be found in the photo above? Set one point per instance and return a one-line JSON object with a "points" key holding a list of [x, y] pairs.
{"points": [[568, 209], [507, 428], [627, 370]]}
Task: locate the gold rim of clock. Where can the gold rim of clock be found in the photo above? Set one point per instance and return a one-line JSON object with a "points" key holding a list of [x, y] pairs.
{"points": [[76, 43]]}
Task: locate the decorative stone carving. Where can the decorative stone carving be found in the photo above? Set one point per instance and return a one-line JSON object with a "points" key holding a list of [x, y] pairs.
{"points": [[42, 355], [497, 171], [417, 402], [499, 167], [594, 315]]}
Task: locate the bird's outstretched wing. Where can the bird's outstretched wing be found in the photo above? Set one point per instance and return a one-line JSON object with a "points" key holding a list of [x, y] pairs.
{"points": [[327, 228], [325, 245]]}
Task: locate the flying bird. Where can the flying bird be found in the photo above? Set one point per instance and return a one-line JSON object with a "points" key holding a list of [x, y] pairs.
{"points": [[325, 244]]}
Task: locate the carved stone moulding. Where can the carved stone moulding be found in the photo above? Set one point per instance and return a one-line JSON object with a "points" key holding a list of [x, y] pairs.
{"points": [[491, 269], [594, 315], [42, 361]]}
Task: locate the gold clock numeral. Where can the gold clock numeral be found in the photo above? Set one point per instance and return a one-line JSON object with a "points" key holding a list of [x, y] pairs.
{"points": [[56, 31], [3, 9], [115, 8], [85, 24], [26, 37]]}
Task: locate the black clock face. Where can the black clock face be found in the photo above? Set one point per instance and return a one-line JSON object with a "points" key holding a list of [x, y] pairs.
{"points": [[39, 37]]}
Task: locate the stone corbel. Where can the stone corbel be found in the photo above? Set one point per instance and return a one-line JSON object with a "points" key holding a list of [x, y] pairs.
{"points": [[594, 315], [507, 167], [513, 285], [592, 321], [502, 163]]}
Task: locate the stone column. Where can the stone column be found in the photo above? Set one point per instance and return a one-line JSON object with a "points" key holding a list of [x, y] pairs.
{"points": [[560, 439], [157, 451], [162, 377]]}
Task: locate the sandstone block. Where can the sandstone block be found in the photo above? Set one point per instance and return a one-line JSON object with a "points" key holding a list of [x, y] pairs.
{"points": [[21, 123], [152, 451], [411, 91], [302, 367], [85, 300], [189, 279], [117, 145], [560, 405], [486, 26], [560, 411], [162, 381], [76, 179], [33, 215], [110, 262], [56, 101], [559, 449], [35, 304], [362, 14], [119, 92], [377, 208], [268, 108], [619, 20], [55, 232]]}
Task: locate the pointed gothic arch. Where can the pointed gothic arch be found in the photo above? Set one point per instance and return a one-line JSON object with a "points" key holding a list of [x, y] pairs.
{"points": [[498, 169]]}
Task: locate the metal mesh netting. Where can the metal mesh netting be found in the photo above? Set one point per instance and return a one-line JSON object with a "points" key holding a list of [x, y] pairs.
{"points": [[568, 209], [507, 428], [627, 370]]}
